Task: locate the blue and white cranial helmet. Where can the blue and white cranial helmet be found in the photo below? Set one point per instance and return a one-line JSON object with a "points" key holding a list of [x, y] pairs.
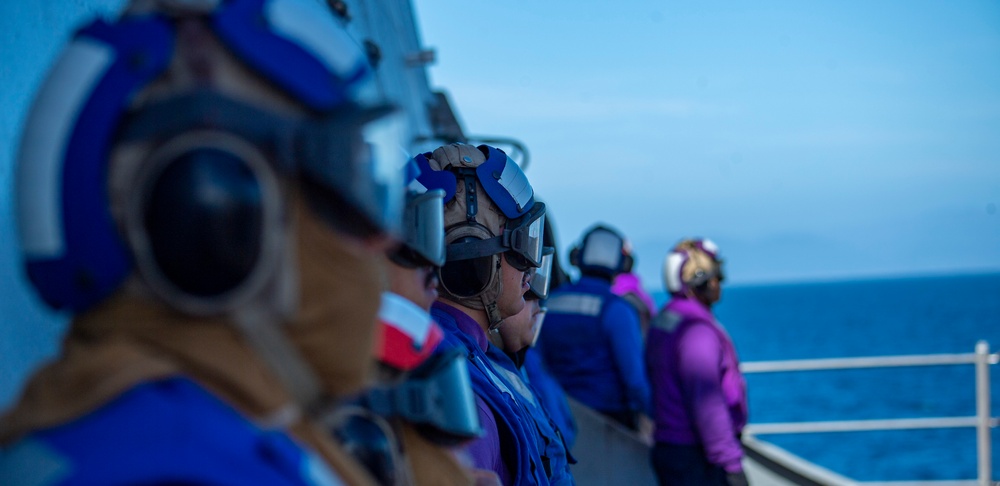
{"points": [[98, 92]]}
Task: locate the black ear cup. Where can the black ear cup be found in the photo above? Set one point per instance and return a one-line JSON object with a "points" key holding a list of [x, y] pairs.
{"points": [[574, 257], [627, 262], [204, 220], [467, 278]]}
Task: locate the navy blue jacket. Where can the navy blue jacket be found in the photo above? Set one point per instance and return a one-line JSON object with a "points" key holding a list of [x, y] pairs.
{"points": [[554, 451], [592, 344], [551, 394]]}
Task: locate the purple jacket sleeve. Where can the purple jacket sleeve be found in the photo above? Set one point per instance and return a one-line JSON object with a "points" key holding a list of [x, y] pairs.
{"points": [[621, 324], [700, 358], [485, 451]]}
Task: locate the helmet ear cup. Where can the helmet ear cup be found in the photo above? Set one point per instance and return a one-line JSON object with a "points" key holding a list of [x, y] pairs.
{"points": [[467, 278], [205, 222], [574, 256], [470, 281], [627, 263]]}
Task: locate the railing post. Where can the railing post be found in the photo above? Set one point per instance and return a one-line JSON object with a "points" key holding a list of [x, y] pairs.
{"points": [[983, 412]]}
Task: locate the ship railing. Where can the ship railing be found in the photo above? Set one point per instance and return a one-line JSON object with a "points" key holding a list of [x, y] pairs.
{"points": [[982, 421]]}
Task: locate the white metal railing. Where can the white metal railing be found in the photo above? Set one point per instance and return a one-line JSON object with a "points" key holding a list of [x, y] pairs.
{"points": [[982, 421]]}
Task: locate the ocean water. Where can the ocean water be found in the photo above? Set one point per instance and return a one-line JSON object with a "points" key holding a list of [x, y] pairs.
{"points": [[926, 315]]}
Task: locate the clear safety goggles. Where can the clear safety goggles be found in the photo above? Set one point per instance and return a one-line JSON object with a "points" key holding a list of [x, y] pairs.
{"points": [[536, 324], [350, 166], [437, 397], [521, 242], [541, 277], [423, 230]]}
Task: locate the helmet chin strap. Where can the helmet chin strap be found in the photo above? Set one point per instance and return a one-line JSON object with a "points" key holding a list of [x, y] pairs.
{"points": [[491, 308], [493, 314]]}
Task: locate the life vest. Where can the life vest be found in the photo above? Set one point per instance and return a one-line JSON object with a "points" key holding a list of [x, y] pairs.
{"points": [[553, 448], [165, 431], [519, 437], [582, 326], [551, 394]]}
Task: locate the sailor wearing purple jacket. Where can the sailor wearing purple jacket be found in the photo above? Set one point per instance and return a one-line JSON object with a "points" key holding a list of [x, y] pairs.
{"points": [[699, 395]]}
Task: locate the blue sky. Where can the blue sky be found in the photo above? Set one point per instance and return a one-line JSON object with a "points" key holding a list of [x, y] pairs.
{"points": [[811, 140]]}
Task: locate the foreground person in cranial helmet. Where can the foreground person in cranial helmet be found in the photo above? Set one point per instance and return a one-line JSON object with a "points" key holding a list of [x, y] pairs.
{"points": [[591, 340], [493, 229], [699, 394], [403, 428], [198, 186]]}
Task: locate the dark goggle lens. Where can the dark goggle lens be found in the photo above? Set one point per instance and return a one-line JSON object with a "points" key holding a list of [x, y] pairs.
{"points": [[518, 261]]}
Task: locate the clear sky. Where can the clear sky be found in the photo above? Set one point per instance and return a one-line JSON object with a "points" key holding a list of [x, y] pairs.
{"points": [[810, 140]]}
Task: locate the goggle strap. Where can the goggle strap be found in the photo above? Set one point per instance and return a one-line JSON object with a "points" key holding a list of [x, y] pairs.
{"points": [[381, 401], [476, 249]]}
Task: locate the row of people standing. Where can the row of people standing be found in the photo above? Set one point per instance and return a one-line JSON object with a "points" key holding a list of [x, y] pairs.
{"points": [[249, 269], [610, 350], [199, 186]]}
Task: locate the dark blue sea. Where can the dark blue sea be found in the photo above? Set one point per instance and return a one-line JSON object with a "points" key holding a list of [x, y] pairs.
{"points": [[926, 315]]}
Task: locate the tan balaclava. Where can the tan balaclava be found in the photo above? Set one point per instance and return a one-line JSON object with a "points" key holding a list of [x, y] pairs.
{"points": [[487, 222], [320, 301]]}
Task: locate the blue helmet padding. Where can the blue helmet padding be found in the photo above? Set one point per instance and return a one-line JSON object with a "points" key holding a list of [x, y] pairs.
{"points": [[436, 179], [505, 183], [288, 43], [411, 171], [94, 260]]}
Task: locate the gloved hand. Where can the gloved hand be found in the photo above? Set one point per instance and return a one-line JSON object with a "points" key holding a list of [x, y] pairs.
{"points": [[737, 479]]}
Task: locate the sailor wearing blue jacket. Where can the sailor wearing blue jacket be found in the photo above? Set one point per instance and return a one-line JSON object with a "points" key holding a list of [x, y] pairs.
{"points": [[509, 349], [591, 340], [493, 230], [191, 188]]}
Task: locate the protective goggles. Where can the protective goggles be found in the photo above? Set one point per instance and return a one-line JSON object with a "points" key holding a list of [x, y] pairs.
{"points": [[371, 440], [719, 272], [536, 324], [437, 397], [423, 230], [339, 164], [521, 242], [541, 277]]}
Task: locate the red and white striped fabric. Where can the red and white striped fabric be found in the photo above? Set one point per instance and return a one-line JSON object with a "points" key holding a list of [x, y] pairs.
{"points": [[407, 335]]}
